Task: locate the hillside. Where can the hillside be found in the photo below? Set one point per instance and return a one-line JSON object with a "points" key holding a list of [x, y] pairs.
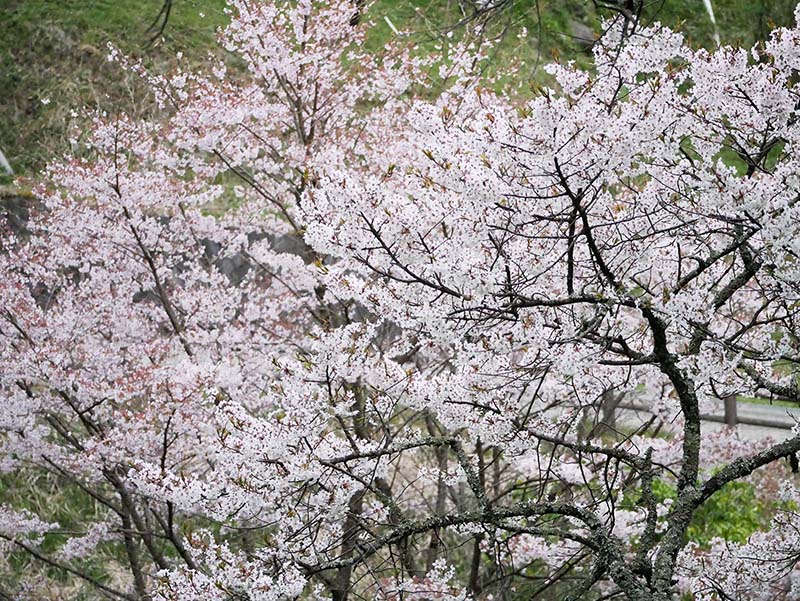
{"points": [[53, 52]]}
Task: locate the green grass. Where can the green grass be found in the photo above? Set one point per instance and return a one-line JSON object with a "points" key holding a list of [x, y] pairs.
{"points": [[54, 50], [53, 60], [53, 499], [763, 401]]}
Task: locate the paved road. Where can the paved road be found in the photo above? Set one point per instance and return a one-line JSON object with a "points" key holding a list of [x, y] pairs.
{"points": [[766, 420], [780, 420]]}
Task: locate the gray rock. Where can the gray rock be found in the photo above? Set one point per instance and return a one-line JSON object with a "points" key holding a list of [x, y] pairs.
{"points": [[4, 164], [583, 35], [15, 212]]}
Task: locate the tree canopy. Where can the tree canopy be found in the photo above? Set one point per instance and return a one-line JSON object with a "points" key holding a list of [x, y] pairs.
{"points": [[339, 324]]}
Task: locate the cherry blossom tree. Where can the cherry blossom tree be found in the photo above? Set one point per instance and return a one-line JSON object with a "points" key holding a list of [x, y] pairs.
{"points": [[313, 333]]}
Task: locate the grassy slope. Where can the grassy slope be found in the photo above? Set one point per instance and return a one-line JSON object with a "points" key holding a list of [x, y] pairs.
{"points": [[54, 50]]}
